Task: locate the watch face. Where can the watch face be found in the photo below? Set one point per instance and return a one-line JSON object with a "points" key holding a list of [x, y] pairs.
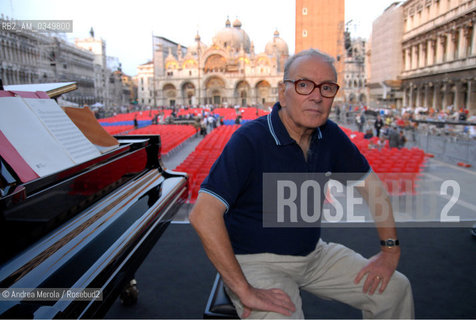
{"points": [[389, 243]]}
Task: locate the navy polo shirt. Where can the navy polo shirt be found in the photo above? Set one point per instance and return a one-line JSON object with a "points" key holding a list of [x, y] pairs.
{"points": [[264, 146]]}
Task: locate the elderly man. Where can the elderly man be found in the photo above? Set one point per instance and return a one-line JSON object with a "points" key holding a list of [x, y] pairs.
{"points": [[264, 268]]}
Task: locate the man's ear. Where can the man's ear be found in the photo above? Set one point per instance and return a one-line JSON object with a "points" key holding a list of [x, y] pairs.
{"points": [[281, 89]]}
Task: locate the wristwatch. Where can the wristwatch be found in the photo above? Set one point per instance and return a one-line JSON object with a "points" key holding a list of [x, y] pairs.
{"points": [[390, 243]]}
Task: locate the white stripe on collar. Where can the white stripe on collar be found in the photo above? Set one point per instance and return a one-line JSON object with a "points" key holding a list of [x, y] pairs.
{"points": [[271, 130]]}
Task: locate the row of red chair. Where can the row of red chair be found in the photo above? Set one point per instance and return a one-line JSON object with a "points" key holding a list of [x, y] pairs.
{"points": [[399, 169], [200, 161], [192, 111], [140, 115], [171, 135], [246, 113], [226, 113], [113, 130], [252, 113]]}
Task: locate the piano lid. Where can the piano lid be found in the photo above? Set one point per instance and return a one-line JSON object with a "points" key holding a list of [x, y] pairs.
{"points": [[53, 90]]}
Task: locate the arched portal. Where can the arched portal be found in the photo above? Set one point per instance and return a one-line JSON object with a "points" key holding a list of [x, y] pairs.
{"points": [[263, 92], [242, 92], [170, 94], [188, 92], [215, 90]]}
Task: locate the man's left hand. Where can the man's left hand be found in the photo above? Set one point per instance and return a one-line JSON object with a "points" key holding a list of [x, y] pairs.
{"points": [[379, 270]]}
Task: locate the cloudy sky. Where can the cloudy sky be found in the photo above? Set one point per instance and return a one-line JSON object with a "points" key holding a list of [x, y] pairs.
{"points": [[128, 26]]}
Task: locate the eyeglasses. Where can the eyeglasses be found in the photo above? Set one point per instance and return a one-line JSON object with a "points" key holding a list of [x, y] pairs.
{"points": [[306, 87]]}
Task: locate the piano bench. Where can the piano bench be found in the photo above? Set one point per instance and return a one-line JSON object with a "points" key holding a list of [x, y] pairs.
{"points": [[219, 305]]}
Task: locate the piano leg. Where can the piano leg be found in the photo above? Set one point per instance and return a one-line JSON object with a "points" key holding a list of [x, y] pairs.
{"points": [[130, 293]]}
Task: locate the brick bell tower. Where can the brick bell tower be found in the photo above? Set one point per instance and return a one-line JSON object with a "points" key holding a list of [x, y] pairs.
{"points": [[320, 24]]}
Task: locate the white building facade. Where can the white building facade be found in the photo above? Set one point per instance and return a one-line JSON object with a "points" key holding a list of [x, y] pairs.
{"points": [[34, 57], [101, 83], [145, 86], [20, 57], [439, 54], [384, 56]]}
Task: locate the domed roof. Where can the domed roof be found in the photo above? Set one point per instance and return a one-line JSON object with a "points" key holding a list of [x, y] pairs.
{"points": [[237, 23], [277, 44], [233, 37], [193, 49]]}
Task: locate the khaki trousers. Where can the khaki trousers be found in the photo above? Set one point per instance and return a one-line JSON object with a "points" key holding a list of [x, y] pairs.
{"points": [[328, 272]]}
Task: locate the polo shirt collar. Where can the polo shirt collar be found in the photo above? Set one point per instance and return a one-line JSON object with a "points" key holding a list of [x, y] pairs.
{"points": [[278, 130]]}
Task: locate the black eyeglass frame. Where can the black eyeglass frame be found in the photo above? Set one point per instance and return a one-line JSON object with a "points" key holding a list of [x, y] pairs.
{"points": [[295, 82]]}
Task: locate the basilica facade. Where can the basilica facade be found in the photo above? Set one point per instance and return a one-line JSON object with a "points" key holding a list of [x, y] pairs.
{"points": [[226, 72]]}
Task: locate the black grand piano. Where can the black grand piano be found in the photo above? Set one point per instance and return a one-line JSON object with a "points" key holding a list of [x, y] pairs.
{"points": [[88, 227]]}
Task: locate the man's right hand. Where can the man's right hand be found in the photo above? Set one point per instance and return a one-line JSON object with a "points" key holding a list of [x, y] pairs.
{"points": [[273, 300], [207, 219]]}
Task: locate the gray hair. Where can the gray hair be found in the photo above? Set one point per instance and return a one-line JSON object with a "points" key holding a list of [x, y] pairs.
{"points": [[311, 53]]}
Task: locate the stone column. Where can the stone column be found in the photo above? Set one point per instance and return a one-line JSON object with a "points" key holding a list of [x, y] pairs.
{"points": [[418, 97], [410, 104], [398, 103], [458, 102], [471, 97], [423, 54], [429, 61], [405, 99], [444, 102], [473, 49], [427, 96], [451, 51], [432, 51], [408, 58], [463, 42], [254, 96], [440, 48], [415, 57], [436, 96]]}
